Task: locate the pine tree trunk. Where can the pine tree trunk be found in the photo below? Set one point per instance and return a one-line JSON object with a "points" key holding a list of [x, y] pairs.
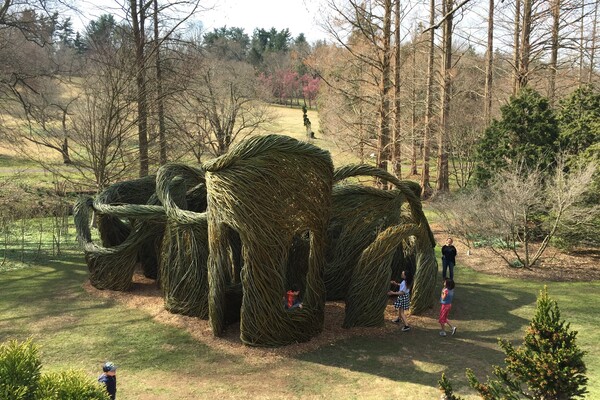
{"points": [[384, 108], [582, 48], [593, 46], [397, 141], [525, 44], [425, 185], [555, 10], [139, 35], [413, 126], [443, 181], [517, 47], [162, 138], [489, 65]]}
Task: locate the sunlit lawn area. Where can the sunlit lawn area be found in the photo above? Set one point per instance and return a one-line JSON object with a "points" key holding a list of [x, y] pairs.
{"points": [[289, 122], [43, 297], [76, 329]]}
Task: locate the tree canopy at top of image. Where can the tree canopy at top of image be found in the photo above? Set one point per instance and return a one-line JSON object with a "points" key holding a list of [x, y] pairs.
{"points": [[234, 43]]}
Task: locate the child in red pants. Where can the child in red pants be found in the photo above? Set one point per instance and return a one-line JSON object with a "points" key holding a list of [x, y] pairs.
{"points": [[446, 301]]}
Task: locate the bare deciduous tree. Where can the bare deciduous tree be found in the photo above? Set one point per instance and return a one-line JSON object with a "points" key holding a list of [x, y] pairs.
{"points": [[221, 105], [443, 181], [138, 11], [489, 64], [383, 137], [397, 136], [102, 128], [506, 216], [425, 178]]}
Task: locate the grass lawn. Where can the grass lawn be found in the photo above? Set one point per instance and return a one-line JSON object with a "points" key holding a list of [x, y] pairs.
{"points": [[75, 329], [45, 300], [289, 122]]}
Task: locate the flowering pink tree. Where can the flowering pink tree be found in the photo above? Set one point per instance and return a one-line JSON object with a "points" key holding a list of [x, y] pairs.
{"points": [[286, 85], [291, 85], [310, 88], [266, 81]]}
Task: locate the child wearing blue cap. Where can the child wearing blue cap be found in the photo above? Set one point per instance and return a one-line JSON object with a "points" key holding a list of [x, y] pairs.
{"points": [[109, 379]]}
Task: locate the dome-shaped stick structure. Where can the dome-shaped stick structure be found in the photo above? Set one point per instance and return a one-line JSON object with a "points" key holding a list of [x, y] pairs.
{"points": [[236, 234], [268, 189], [359, 215], [113, 267], [367, 295], [184, 251]]}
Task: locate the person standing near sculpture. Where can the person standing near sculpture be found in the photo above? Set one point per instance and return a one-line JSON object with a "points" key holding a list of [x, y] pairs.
{"points": [[448, 259], [402, 303]]}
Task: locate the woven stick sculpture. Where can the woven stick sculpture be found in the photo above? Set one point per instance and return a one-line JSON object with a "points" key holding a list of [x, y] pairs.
{"points": [[359, 215], [113, 267], [367, 295], [269, 189], [184, 252], [112, 230]]}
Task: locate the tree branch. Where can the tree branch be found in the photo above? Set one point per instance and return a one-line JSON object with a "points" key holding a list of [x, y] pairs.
{"points": [[448, 14]]}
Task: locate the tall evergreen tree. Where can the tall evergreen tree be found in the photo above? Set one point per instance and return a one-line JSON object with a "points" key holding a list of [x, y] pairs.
{"points": [[227, 43], [579, 120], [527, 131]]}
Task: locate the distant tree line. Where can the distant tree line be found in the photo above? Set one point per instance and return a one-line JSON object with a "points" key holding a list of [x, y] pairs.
{"points": [[126, 95], [410, 83]]}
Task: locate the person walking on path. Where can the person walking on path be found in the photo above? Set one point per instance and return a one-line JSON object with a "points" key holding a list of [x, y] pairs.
{"points": [[446, 302], [448, 259], [109, 379], [402, 303]]}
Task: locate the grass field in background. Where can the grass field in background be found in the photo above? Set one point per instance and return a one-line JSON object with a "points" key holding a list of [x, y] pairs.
{"points": [[289, 122]]}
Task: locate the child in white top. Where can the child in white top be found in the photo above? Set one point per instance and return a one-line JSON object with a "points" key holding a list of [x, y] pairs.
{"points": [[402, 303]]}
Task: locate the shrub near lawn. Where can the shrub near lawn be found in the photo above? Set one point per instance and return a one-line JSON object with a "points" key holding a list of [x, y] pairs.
{"points": [[21, 378], [548, 366], [20, 368], [69, 385]]}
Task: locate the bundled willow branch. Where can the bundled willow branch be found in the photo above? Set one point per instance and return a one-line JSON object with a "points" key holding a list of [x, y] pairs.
{"points": [[410, 189], [424, 286], [269, 189], [112, 265], [367, 295], [359, 215], [184, 253]]}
